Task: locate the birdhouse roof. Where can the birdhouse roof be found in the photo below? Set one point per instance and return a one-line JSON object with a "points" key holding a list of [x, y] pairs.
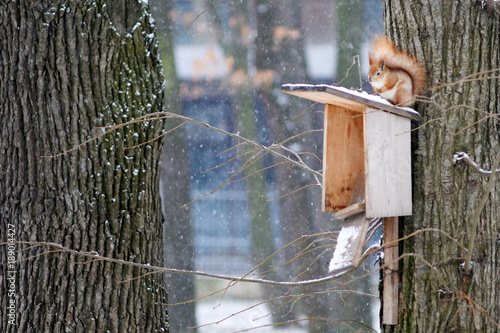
{"points": [[346, 98]]}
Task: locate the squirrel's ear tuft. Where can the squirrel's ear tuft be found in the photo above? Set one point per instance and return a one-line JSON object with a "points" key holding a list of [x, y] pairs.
{"points": [[370, 58], [381, 66]]}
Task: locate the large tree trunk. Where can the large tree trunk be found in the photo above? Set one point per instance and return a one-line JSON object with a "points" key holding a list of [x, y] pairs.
{"points": [[67, 67], [455, 39]]}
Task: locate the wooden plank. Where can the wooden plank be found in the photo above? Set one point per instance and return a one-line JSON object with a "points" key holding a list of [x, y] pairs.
{"points": [[343, 156], [350, 211], [387, 164], [327, 98], [346, 98], [390, 297], [349, 243]]}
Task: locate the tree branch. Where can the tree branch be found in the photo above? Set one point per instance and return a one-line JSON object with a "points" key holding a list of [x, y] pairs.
{"points": [[461, 156], [473, 231], [95, 256], [163, 115]]}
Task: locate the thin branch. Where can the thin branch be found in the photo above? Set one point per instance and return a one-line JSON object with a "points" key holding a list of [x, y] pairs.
{"points": [[312, 154], [325, 320], [473, 230], [111, 129], [81, 144], [354, 58], [256, 157], [96, 256], [376, 248], [297, 156], [327, 250], [230, 160], [295, 191], [231, 148], [159, 136], [163, 115], [198, 16], [461, 156], [248, 163], [292, 299], [256, 172], [332, 277], [468, 78], [300, 114]]}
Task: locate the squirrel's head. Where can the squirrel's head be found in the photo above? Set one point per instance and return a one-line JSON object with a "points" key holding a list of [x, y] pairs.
{"points": [[376, 73]]}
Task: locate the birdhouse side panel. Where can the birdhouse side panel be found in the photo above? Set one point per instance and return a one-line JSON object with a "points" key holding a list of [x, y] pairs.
{"points": [[387, 164], [343, 156]]}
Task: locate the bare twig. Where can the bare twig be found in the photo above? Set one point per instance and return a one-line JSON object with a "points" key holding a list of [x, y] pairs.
{"points": [[258, 171], [96, 256], [289, 298], [159, 136], [300, 114], [294, 191], [375, 224], [324, 320], [334, 276], [354, 60], [297, 156], [469, 78], [198, 16], [461, 156], [164, 115], [230, 160], [473, 230]]}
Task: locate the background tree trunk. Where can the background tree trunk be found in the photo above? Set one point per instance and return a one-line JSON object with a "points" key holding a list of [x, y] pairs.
{"points": [[67, 67], [280, 48], [174, 185], [455, 39], [350, 39]]}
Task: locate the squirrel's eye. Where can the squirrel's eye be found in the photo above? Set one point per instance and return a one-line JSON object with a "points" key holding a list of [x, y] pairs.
{"points": [[378, 73]]}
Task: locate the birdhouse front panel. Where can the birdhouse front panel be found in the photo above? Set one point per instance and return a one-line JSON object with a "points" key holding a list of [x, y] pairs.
{"points": [[387, 164]]}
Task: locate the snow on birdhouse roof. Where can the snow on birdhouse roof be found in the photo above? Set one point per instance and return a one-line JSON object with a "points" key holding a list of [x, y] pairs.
{"points": [[347, 98]]}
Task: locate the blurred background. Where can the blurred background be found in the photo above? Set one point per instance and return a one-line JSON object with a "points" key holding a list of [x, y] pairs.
{"points": [[224, 63]]}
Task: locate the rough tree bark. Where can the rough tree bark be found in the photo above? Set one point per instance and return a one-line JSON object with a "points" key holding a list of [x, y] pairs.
{"points": [[455, 39], [67, 67]]}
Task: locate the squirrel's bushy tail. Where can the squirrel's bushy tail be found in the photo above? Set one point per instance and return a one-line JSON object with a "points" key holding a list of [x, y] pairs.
{"points": [[383, 49]]}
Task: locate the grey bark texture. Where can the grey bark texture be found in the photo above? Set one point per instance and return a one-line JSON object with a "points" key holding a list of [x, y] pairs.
{"points": [[454, 39], [67, 67]]}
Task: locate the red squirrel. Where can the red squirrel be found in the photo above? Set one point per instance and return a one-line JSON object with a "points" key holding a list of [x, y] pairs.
{"points": [[394, 74]]}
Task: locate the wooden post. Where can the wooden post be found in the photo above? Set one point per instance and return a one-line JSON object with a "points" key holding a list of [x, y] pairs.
{"points": [[390, 296]]}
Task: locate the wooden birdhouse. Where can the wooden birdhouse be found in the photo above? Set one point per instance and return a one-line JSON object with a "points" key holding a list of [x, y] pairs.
{"points": [[366, 174], [364, 136]]}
